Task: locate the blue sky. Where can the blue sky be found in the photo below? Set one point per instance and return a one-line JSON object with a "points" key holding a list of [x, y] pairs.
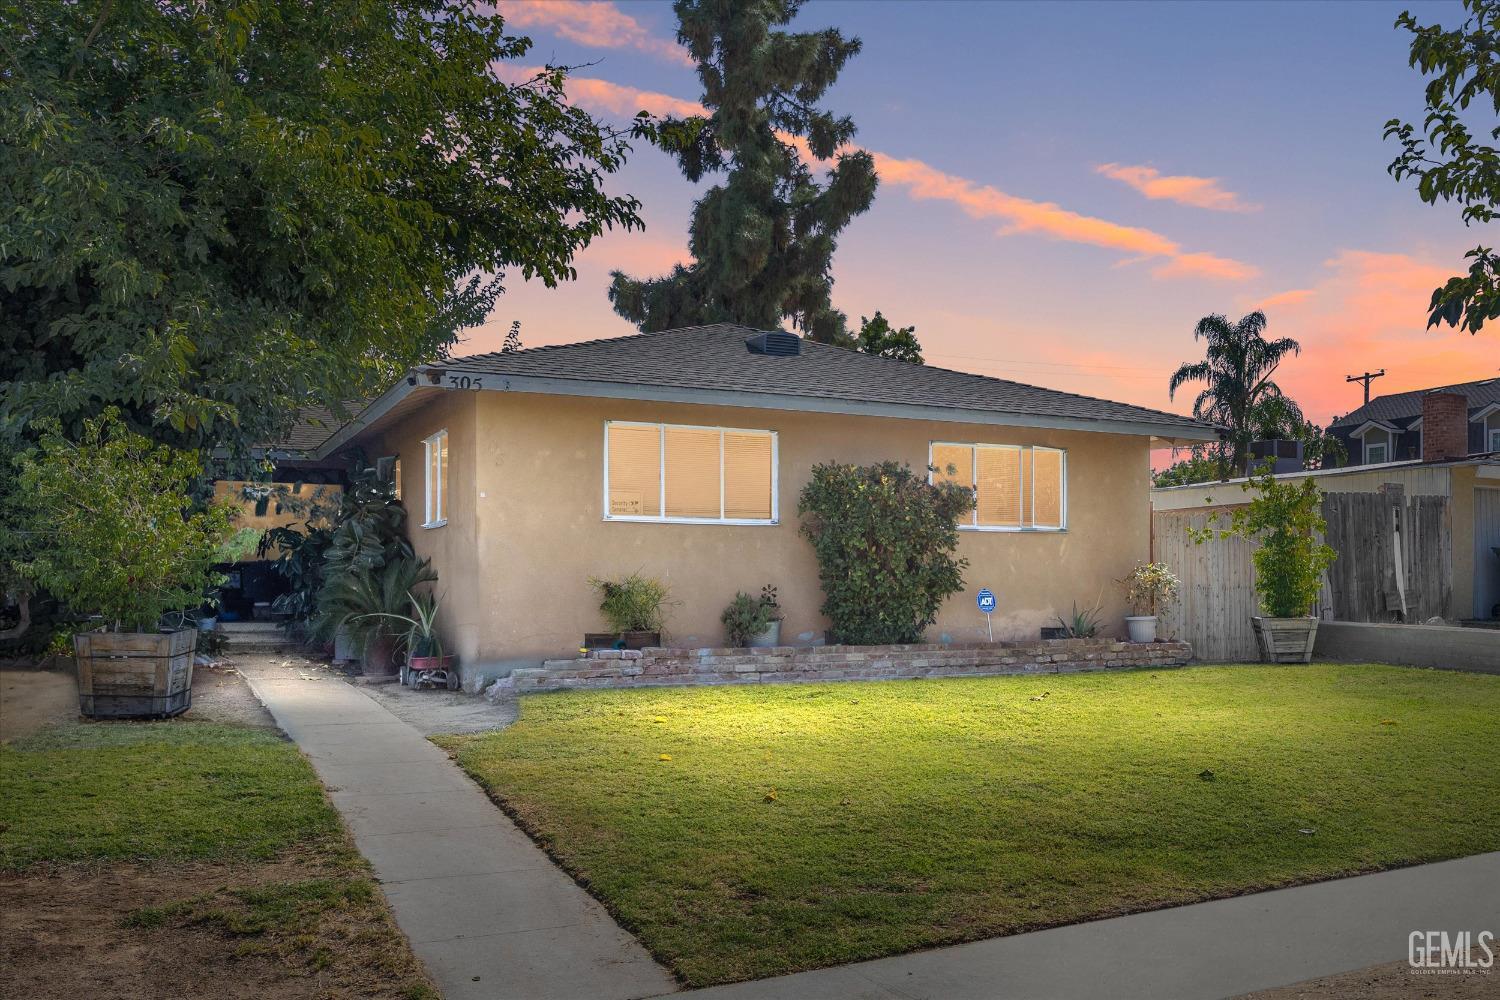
{"points": [[983, 107]]}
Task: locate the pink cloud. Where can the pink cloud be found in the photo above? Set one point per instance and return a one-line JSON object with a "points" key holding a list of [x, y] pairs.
{"points": [[599, 25], [1290, 297], [1200, 192]]}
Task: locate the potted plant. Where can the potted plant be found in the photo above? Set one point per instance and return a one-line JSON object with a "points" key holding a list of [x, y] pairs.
{"points": [[110, 529], [371, 603], [753, 621], [635, 609], [1286, 519], [1149, 588], [425, 659]]}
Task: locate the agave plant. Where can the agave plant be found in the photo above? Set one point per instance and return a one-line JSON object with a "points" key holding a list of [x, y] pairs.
{"points": [[368, 600], [421, 636]]}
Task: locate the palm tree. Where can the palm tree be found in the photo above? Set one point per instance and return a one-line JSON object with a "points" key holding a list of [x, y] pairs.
{"points": [[1236, 372]]}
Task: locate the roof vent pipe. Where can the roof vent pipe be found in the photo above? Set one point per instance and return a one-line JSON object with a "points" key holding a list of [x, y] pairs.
{"points": [[774, 344]]}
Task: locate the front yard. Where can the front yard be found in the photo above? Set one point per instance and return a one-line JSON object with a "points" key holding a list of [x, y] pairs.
{"points": [[183, 859], [752, 831]]}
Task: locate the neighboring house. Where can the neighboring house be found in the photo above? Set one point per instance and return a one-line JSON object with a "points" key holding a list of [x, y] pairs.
{"points": [[1390, 428], [681, 455], [1416, 538]]}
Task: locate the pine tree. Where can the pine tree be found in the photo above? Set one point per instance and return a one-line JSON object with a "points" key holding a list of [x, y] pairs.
{"points": [[763, 241]]}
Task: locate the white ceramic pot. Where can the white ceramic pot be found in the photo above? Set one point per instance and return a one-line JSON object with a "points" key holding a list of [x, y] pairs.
{"points": [[1141, 628]]}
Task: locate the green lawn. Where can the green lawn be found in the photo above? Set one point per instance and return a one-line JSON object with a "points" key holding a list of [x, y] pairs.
{"points": [[165, 792], [802, 826]]}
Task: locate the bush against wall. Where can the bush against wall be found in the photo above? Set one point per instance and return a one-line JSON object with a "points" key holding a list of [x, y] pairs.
{"points": [[885, 540]]}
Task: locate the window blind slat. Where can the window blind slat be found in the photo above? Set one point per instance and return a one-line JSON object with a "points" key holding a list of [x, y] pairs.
{"points": [[747, 476], [692, 472], [634, 471], [998, 480]]}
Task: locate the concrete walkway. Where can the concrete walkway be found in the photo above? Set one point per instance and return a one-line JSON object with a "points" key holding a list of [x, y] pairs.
{"points": [[486, 911], [1197, 952]]}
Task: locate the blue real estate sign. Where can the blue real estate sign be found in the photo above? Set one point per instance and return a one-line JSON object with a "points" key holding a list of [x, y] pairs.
{"points": [[986, 601]]}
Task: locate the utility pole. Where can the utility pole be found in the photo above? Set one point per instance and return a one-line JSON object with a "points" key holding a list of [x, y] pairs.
{"points": [[1366, 378]]}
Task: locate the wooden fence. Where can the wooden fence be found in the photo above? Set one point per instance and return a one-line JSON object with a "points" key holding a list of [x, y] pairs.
{"points": [[1217, 599]]}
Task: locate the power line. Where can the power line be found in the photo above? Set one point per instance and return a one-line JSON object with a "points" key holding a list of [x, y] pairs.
{"points": [[1366, 378]]}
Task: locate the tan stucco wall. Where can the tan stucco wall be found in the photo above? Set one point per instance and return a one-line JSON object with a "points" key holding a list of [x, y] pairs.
{"points": [[451, 546], [517, 552]]}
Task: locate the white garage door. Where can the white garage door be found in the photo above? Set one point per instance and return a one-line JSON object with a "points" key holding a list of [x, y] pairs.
{"points": [[1486, 559]]}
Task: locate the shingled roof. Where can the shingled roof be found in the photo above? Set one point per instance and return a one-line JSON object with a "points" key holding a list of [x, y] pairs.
{"points": [[1403, 407], [715, 358]]}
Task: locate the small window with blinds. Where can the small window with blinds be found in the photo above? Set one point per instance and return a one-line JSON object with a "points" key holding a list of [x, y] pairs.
{"points": [[695, 475], [1016, 487]]}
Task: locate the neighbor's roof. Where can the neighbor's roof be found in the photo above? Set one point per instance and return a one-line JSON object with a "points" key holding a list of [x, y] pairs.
{"points": [[710, 364], [1408, 405]]}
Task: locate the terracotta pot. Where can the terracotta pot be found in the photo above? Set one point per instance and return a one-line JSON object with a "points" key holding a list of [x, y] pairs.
{"points": [[379, 658]]}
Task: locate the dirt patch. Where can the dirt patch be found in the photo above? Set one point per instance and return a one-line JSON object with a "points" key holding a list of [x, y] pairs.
{"points": [[1393, 981], [34, 699], [232, 931]]}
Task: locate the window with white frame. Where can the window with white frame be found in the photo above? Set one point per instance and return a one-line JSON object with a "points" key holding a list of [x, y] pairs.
{"points": [[1494, 439], [1016, 487], [1377, 448], [435, 492], [696, 475]]}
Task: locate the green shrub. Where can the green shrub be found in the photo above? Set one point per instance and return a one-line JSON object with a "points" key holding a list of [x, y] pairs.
{"points": [[109, 526], [1287, 520], [884, 539], [635, 604], [747, 617]]}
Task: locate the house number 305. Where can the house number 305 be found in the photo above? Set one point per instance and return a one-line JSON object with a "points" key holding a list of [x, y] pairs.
{"points": [[465, 382]]}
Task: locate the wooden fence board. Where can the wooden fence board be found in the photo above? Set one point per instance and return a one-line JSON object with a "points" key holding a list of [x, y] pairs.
{"points": [[1217, 600]]}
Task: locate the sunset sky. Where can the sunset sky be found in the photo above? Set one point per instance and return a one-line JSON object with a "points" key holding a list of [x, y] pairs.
{"points": [[1066, 188]]}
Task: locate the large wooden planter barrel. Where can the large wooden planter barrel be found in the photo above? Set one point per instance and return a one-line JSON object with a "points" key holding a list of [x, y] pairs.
{"points": [[128, 675], [1285, 640]]}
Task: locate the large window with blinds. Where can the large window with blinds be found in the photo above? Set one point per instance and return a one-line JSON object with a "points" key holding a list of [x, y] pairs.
{"points": [[1016, 487], [695, 475]]}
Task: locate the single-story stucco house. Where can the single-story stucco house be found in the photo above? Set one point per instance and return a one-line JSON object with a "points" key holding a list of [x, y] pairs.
{"points": [[681, 455]]}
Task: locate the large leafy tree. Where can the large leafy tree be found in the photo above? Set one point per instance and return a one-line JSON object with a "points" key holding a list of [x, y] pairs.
{"points": [[213, 214], [1448, 160], [763, 241], [1238, 391]]}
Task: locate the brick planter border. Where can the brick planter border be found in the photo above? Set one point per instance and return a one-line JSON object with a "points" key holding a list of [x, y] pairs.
{"points": [[656, 666]]}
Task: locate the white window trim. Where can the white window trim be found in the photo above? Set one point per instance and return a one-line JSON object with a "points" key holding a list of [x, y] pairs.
{"points": [[1030, 483], [432, 486], [1494, 439], [661, 468], [1385, 450]]}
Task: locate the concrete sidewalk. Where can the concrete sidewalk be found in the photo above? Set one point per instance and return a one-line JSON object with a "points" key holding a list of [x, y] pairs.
{"points": [[486, 911], [1206, 950]]}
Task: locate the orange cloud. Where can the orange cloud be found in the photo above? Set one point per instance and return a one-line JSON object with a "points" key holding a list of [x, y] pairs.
{"points": [[599, 25], [1290, 297], [924, 182], [1369, 311], [1200, 192], [1205, 265]]}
